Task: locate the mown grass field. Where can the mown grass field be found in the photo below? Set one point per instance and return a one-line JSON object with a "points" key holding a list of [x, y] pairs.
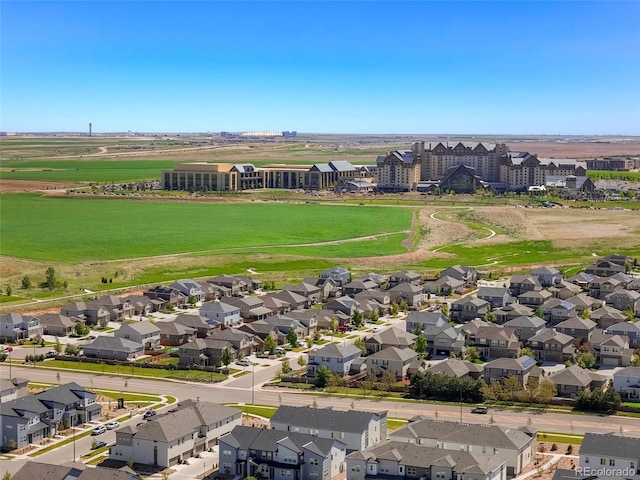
{"points": [[76, 230]]}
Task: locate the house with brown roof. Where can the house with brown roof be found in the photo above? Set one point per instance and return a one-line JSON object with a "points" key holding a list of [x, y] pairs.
{"points": [[578, 328], [205, 352], [243, 342], [453, 367], [496, 296], [556, 310], [262, 330], [146, 333], [549, 345], [501, 368], [526, 327], [519, 284], [511, 311], [630, 330], [275, 304], [295, 300], [467, 308], [408, 292], [57, 324], [200, 324], [175, 334], [584, 302], [600, 287], [357, 286], [392, 359], [614, 351], [534, 298], [389, 337], [444, 286], [604, 268], [607, 316], [622, 299], [118, 308], [493, 341], [307, 290], [565, 289], [572, 380], [468, 275], [405, 276], [168, 294]]}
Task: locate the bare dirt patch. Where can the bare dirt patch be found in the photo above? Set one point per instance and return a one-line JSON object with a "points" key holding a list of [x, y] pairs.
{"points": [[19, 186]]}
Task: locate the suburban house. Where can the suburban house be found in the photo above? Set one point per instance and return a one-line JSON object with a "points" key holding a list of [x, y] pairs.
{"points": [[357, 430], [57, 324], [556, 310], [118, 308], [583, 302], [234, 286], [534, 298], [613, 350], [496, 296], [604, 268], [392, 359], [511, 311], [622, 299], [295, 300], [626, 382], [113, 348], [242, 342], [501, 368], [445, 340], [452, 367], [166, 294], [405, 276], [190, 289], [272, 454], [393, 459], [337, 358], [251, 308], [565, 289], [515, 447], [409, 293], [631, 330], [357, 286], [218, 313], [328, 287], [143, 306], [422, 320], [96, 314], [468, 275], [443, 286], [389, 337], [492, 341], [519, 284], [339, 275], [284, 324], [319, 319], [467, 308], [194, 426], [610, 450], [581, 279], [547, 276], [549, 345], [573, 379], [579, 328], [199, 323], [275, 304], [173, 334], [600, 287], [12, 388], [32, 418], [146, 333], [526, 327], [262, 330], [14, 326], [607, 316], [307, 290], [205, 352]]}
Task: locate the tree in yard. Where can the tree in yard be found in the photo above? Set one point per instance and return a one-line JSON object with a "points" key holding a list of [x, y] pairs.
{"points": [[191, 300], [403, 306], [58, 346], [9, 290], [394, 308], [513, 387], [445, 310], [374, 316], [269, 344], [26, 282], [421, 344], [586, 360], [292, 338], [627, 312], [417, 330], [334, 324], [286, 367], [357, 318], [388, 380], [81, 329], [71, 350], [489, 316], [322, 377], [539, 313], [50, 276], [472, 354], [359, 342], [226, 357], [317, 336], [302, 361], [546, 391], [586, 314], [528, 352]]}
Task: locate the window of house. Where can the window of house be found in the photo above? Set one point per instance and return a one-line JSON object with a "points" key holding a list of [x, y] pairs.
{"points": [[412, 471]]}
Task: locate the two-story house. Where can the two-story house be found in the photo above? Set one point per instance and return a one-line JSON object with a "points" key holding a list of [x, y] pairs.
{"points": [[190, 289], [146, 333], [631, 330], [548, 345], [337, 358], [419, 321], [192, 427], [205, 352], [622, 299], [572, 380], [607, 316], [219, 313], [610, 451], [339, 275], [613, 351], [626, 382], [578, 328], [600, 287], [173, 334], [526, 327], [404, 276], [243, 342], [407, 292], [389, 337], [307, 290], [515, 447], [547, 276], [118, 308], [467, 308], [534, 298], [501, 368], [492, 341], [556, 310], [199, 323], [468, 275], [392, 359], [443, 286], [519, 284], [167, 294], [14, 326], [113, 348], [356, 429], [277, 455]]}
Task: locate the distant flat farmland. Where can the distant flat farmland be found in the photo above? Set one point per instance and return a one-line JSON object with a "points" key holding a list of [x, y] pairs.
{"points": [[76, 230]]}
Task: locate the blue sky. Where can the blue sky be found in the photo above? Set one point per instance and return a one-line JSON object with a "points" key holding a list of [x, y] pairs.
{"points": [[327, 67]]}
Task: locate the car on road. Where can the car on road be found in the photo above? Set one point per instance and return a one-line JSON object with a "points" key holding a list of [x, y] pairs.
{"points": [[113, 424], [98, 444], [244, 362], [99, 430], [51, 354], [480, 410], [376, 329], [279, 351], [149, 414]]}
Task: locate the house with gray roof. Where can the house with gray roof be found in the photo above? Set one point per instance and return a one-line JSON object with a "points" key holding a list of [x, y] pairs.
{"points": [[143, 305], [189, 288], [357, 286], [32, 418], [626, 382], [443, 286], [496, 296], [392, 359], [600, 287], [164, 440], [607, 316], [556, 310], [14, 326], [492, 341], [501, 368], [468, 275], [408, 292], [113, 348], [547, 276], [356, 429], [175, 334], [613, 350], [519, 284], [285, 323], [117, 307], [77, 471], [12, 388], [610, 450], [515, 447], [394, 459], [205, 352], [453, 367], [341, 276], [277, 455], [167, 295], [604, 268], [294, 299], [244, 343], [405, 276], [389, 337], [346, 304], [309, 291], [511, 311], [337, 358], [467, 308], [526, 327], [579, 328], [549, 345], [572, 380], [565, 290], [219, 313], [57, 324], [145, 332], [418, 319], [622, 299], [202, 326], [631, 330], [534, 298], [583, 302]]}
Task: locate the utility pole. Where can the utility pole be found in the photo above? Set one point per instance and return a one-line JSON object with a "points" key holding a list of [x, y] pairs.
{"points": [[253, 380], [74, 439]]}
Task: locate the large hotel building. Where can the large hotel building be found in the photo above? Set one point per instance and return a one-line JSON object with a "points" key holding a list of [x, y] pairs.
{"points": [[459, 168]]}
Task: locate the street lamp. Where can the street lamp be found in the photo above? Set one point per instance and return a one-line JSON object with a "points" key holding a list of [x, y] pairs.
{"points": [[74, 439], [253, 380]]}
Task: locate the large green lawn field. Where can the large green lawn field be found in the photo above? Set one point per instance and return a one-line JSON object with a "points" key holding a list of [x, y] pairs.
{"points": [[98, 170], [74, 230]]}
